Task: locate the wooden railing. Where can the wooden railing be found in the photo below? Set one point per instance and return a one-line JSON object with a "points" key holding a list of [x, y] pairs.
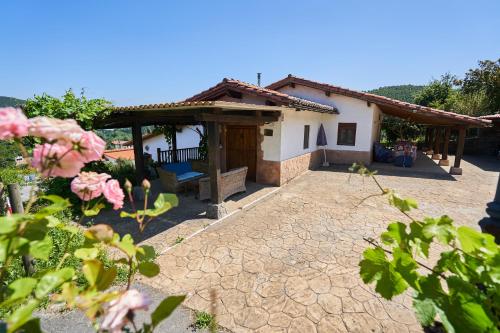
{"points": [[180, 155]]}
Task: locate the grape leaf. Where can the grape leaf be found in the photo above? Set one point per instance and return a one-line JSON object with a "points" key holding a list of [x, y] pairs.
{"points": [[441, 228]]}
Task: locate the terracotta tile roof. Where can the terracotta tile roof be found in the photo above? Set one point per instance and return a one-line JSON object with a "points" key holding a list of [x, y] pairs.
{"points": [[272, 95], [380, 100], [124, 154], [494, 117]]}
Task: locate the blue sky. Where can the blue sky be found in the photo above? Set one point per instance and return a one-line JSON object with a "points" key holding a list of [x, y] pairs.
{"points": [[134, 52]]}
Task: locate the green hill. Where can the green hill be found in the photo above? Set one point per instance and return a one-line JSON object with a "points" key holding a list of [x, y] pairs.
{"points": [[404, 92], [10, 101]]}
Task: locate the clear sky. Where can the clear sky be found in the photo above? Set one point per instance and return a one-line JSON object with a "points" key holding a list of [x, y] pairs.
{"points": [[134, 52]]}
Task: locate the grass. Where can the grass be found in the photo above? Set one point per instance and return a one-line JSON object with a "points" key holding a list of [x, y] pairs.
{"points": [[204, 320], [179, 239]]}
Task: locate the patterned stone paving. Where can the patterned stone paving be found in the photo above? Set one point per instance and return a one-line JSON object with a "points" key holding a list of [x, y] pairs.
{"points": [[290, 263]]}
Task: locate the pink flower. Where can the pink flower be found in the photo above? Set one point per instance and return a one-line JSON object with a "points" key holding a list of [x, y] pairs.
{"points": [[114, 194], [91, 146], [89, 185], [13, 123], [55, 129], [57, 160], [116, 315]]}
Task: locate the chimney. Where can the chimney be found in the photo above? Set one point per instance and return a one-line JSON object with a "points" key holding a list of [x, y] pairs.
{"points": [[258, 79]]}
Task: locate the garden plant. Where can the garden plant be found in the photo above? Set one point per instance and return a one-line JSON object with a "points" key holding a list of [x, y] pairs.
{"points": [[62, 149], [461, 288]]}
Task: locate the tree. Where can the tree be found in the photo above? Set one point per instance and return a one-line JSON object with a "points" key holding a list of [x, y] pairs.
{"points": [[439, 94], [80, 108], [484, 81]]}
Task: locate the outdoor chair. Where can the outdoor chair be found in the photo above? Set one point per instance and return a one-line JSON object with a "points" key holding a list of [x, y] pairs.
{"points": [[175, 175], [232, 182]]}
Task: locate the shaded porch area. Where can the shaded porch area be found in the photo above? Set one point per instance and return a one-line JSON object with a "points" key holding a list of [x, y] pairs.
{"points": [[441, 128], [232, 130]]}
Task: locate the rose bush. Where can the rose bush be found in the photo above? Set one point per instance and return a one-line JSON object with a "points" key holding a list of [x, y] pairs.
{"points": [[63, 149]]}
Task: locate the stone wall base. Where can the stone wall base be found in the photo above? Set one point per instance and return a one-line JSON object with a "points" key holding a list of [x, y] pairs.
{"points": [[348, 157], [279, 173]]}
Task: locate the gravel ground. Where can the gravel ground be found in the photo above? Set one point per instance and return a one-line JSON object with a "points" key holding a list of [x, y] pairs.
{"points": [[76, 322]]}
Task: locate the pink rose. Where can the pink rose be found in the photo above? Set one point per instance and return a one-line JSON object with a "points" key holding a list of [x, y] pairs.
{"points": [[114, 194], [91, 146], [116, 314], [13, 123], [55, 129], [89, 185], [57, 160]]}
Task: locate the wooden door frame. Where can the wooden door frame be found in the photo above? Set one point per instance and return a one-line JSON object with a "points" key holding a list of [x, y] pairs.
{"points": [[225, 152]]}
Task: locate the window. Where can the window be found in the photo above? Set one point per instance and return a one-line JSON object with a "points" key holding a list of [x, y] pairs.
{"points": [[306, 136], [347, 134]]}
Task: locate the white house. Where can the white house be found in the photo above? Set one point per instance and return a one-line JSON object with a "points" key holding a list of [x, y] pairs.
{"points": [[351, 119], [273, 130], [187, 137]]}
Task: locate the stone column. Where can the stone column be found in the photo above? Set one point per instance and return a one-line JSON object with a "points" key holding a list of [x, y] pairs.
{"points": [[444, 156]]}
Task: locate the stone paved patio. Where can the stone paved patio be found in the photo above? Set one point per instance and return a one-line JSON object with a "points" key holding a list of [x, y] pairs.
{"points": [[290, 263]]}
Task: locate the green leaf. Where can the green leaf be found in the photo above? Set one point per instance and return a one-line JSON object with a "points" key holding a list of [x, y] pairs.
{"points": [[472, 241], [9, 224], [87, 253], [91, 270], [106, 278], [21, 315], [419, 242], [165, 309], [375, 267], [41, 249], [127, 245], [405, 265], [94, 210], [396, 233], [19, 289], [58, 204], [31, 326], [425, 311], [148, 269], [52, 280], [403, 205], [441, 228], [163, 203], [125, 214], [146, 253]]}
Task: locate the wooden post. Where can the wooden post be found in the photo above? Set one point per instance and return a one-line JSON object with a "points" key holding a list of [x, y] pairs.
{"points": [[431, 140], [455, 169], [437, 144], [444, 156], [426, 141], [16, 203], [174, 143], [214, 162], [158, 155], [138, 153], [223, 153]]}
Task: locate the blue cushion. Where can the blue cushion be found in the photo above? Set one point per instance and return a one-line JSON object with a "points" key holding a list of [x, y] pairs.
{"points": [[188, 175], [178, 168]]}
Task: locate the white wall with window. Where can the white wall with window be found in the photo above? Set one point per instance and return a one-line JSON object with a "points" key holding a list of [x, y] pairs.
{"points": [[186, 138]]}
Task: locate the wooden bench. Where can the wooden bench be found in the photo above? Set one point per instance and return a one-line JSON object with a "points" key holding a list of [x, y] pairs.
{"points": [[174, 175], [232, 182]]}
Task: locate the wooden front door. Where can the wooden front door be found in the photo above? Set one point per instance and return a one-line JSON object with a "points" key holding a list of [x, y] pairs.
{"points": [[241, 148]]}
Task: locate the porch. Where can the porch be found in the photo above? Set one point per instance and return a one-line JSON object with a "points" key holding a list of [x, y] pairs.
{"points": [[233, 131]]}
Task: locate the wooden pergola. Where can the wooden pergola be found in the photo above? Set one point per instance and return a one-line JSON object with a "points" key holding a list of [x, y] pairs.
{"points": [[215, 114], [440, 125]]}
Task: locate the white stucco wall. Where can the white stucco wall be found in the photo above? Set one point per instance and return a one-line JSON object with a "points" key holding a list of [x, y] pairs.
{"points": [[271, 145], [292, 131], [351, 110], [188, 138]]}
